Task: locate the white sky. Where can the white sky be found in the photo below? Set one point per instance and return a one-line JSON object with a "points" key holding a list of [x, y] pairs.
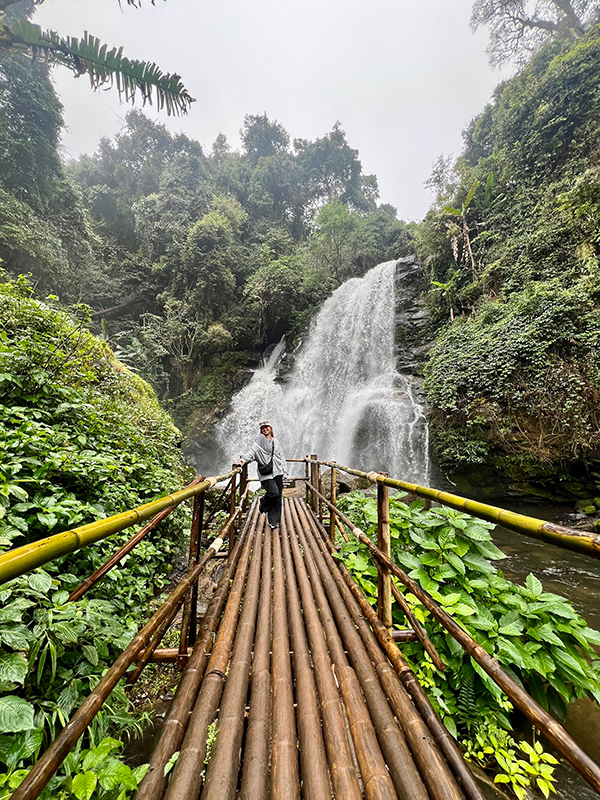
{"points": [[403, 78]]}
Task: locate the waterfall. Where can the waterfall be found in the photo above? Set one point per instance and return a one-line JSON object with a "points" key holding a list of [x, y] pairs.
{"points": [[344, 400]]}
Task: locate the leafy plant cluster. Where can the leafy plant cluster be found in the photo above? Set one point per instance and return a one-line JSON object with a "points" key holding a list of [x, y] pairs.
{"points": [[537, 636], [81, 438], [512, 252]]}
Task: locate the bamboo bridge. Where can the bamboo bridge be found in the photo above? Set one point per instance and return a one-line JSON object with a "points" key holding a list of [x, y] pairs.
{"points": [[292, 685]]}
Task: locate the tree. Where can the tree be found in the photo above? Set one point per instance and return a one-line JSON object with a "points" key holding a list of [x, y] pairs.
{"points": [[87, 56], [331, 169], [519, 27], [262, 138]]}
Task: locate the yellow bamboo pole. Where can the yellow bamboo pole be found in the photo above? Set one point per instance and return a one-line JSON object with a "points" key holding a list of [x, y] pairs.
{"points": [[23, 559], [384, 542], [559, 535]]}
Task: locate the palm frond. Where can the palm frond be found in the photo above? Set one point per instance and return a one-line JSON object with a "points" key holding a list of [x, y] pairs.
{"points": [[87, 56]]}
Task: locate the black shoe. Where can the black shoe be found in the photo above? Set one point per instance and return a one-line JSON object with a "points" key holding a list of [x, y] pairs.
{"points": [[273, 527]]}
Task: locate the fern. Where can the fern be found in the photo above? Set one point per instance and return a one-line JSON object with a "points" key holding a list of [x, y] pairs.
{"points": [[87, 56]]}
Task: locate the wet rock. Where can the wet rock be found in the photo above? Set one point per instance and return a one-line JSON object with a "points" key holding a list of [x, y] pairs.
{"points": [[585, 507]]}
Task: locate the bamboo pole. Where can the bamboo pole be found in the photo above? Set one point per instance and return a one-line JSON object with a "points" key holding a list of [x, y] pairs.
{"points": [[337, 743], [313, 760], [196, 536], [384, 542], [320, 488], [232, 512], [92, 579], [333, 498], [432, 768], [189, 608], [50, 761], [559, 535], [551, 729], [167, 655], [255, 764], [222, 773], [285, 783], [307, 495], [314, 501], [390, 738], [23, 559], [187, 777], [243, 486], [172, 733]]}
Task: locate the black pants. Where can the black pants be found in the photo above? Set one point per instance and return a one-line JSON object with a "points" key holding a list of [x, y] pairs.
{"points": [[271, 501]]}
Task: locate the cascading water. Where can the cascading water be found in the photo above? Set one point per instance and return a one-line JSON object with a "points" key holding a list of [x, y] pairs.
{"points": [[344, 400]]}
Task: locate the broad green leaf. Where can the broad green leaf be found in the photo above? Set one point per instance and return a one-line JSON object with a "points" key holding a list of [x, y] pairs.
{"points": [[476, 533], [591, 635], [16, 714], [456, 561], [90, 652], [489, 550], [17, 638], [510, 651], [13, 667], [533, 585], [40, 582], [83, 785], [478, 563]]}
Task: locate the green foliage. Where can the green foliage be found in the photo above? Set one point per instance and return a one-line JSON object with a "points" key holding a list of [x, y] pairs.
{"points": [[224, 253], [537, 636], [517, 374], [81, 438], [95, 772], [87, 56]]}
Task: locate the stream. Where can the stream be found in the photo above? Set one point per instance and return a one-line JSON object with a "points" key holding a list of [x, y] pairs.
{"points": [[576, 577]]}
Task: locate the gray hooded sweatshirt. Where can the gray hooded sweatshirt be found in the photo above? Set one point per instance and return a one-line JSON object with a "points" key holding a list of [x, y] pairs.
{"points": [[261, 453]]}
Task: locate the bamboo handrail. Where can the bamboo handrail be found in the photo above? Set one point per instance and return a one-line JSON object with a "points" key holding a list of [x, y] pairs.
{"points": [[548, 726], [49, 762], [116, 557], [23, 559], [568, 538]]}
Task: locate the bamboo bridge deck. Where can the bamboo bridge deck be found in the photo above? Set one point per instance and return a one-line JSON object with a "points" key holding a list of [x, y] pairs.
{"points": [[297, 692]]}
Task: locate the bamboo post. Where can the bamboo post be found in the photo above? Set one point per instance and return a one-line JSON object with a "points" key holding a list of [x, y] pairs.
{"points": [[314, 501], [384, 542], [333, 497], [190, 600], [243, 484], [307, 494], [319, 487], [196, 534], [232, 512]]}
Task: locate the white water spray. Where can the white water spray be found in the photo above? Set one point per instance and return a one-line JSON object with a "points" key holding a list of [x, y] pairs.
{"points": [[344, 400]]}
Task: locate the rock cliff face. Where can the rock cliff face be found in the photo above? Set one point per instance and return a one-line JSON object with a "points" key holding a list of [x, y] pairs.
{"points": [[413, 325]]}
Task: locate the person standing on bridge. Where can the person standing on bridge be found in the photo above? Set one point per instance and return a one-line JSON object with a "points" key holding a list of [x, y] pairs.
{"points": [[270, 461]]}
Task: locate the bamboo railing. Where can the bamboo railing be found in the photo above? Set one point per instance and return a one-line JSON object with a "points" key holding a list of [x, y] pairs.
{"points": [[563, 537], [143, 647], [559, 535]]}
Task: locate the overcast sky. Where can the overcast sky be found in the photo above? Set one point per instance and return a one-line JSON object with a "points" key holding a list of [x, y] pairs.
{"points": [[403, 78]]}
